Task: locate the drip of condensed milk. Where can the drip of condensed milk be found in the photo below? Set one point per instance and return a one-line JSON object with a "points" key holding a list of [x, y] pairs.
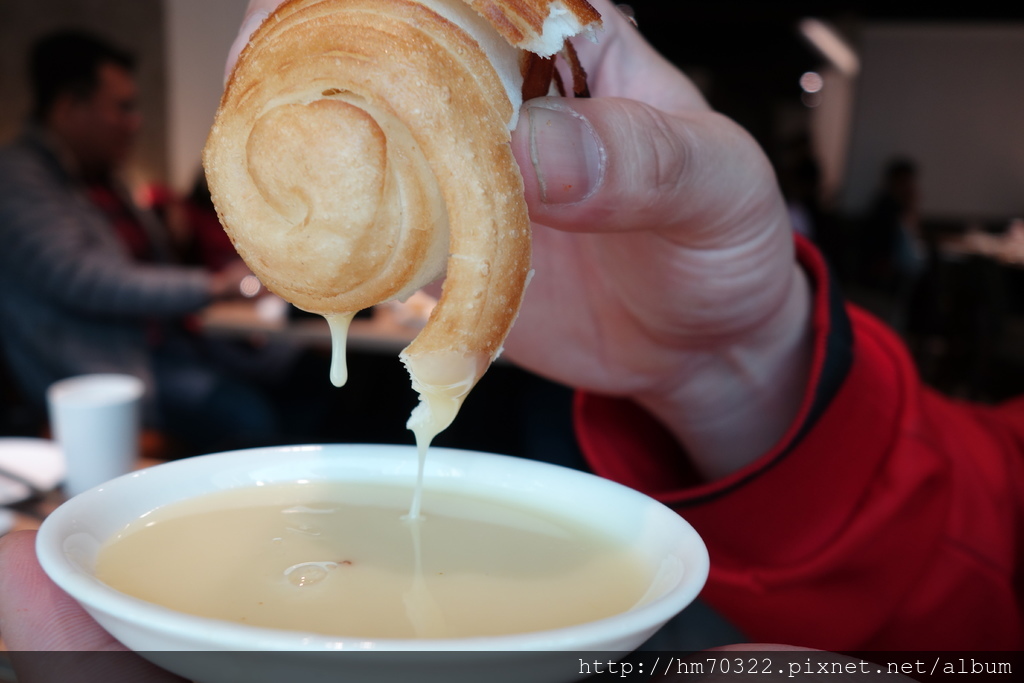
{"points": [[441, 379], [424, 613], [339, 324]]}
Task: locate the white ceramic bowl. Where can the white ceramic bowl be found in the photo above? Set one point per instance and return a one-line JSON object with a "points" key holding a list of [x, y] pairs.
{"points": [[70, 538]]}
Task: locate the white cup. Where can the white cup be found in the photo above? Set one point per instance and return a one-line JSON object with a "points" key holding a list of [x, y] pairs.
{"points": [[95, 420]]}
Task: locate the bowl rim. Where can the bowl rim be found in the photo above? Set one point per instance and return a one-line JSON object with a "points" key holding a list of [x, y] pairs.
{"points": [[105, 602]]}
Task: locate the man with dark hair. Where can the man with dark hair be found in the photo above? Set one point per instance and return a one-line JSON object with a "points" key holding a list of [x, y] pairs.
{"points": [[68, 62], [87, 282], [85, 95]]}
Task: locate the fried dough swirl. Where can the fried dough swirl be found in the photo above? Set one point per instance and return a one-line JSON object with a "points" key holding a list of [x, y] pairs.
{"points": [[361, 149]]}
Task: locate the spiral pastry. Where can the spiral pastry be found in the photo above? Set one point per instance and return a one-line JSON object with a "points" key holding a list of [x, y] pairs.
{"points": [[361, 149]]}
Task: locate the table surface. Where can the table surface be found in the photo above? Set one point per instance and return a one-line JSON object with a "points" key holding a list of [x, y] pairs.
{"points": [[30, 515]]}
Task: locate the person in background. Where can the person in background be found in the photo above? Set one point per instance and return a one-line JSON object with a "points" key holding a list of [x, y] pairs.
{"points": [[800, 183], [293, 375], [87, 279], [845, 506], [893, 247], [191, 219]]}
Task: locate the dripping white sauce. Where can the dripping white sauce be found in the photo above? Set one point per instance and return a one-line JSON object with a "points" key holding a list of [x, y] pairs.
{"points": [[430, 417], [442, 381], [339, 324]]}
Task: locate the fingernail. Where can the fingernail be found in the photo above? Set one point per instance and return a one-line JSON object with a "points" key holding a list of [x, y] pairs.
{"points": [[566, 154]]}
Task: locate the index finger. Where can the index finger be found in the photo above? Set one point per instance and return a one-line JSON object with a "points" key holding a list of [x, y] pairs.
{"points": [[621, 63]]}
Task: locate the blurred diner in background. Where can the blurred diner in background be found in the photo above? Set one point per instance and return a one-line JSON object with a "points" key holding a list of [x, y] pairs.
{"points": [[90, 281], [893, 129]]}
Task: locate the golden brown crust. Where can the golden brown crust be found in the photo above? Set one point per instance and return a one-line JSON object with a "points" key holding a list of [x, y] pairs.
{"points": [[357, 141], [522, 21]]}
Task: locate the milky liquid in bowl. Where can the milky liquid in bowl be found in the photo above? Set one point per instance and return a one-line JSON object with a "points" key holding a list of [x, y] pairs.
{"points": [[521, 495], [346, 560]]}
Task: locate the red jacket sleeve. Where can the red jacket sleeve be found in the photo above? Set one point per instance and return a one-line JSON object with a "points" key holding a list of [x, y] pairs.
{"points": [[888, 520]]}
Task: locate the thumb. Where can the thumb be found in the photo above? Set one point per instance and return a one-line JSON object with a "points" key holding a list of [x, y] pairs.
{"points": [[616, 165], [35, 615]]}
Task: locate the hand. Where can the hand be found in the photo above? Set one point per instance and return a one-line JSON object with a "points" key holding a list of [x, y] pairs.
{"points": [[663, 256], [36, 615], [226, 283]]}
